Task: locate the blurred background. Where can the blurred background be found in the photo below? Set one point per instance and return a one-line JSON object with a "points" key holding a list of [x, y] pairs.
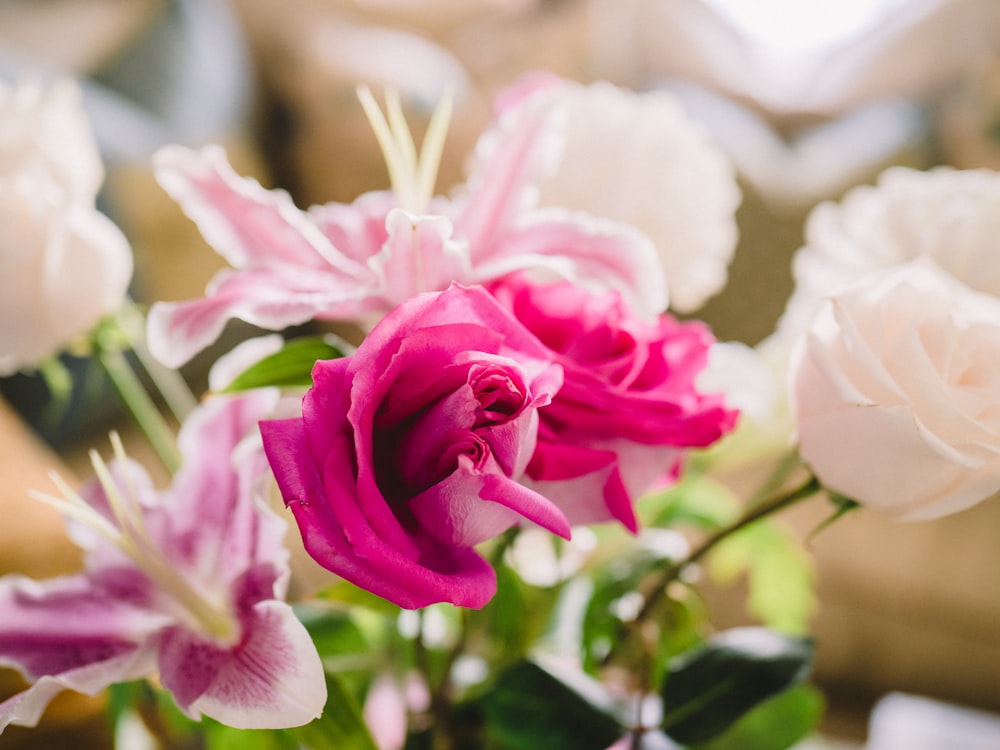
{"points": [[807, 97]]}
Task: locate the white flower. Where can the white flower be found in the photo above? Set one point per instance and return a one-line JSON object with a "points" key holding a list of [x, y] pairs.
{"points": [[639, 159], [63, 265], [44, 134], [951, 216], [896, 393]]}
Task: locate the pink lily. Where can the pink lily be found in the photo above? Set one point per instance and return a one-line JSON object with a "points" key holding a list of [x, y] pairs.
{"points": [[186, 583], [358, 261]]}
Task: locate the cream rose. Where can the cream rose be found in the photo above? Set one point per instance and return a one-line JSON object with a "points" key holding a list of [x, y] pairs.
{"points": [[896, 392], [63, 264], [45, 136], [951, 216]]}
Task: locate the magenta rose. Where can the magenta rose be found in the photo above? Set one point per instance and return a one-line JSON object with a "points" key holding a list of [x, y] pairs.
{"points": [[409, 452], [628, 406]]}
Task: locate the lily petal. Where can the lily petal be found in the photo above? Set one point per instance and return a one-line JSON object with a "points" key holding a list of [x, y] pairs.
{"points": [[596, 253], [213, 522], [420, 256], [71, 633], [509, 161], [243, 221], [27, 707], [287, 269], [272, 679], [273, 298]]}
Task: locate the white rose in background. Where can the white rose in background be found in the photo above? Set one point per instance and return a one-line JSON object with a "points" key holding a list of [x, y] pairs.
{"points": [[639, 159], [896, 393], [951, 216], [45, 135], [63, 264]]}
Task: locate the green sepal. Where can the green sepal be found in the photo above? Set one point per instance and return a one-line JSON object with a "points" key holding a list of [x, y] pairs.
{"points": [[712, 686], [842, 506]]}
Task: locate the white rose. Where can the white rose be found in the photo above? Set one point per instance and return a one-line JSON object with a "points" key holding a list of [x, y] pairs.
{"points": [[45, 135], [896, 393], [951, 216], [63, 265]]}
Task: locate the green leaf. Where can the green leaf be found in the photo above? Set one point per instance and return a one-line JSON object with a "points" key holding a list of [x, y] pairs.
{"points": [[614, 595], [780, 574], [709, 688], [220, 737], [683, 620], [290, 367], [535, 707], [341, 727], [332, 631], [776, 724]]}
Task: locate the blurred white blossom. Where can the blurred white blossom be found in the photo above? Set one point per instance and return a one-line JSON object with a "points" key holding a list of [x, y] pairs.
{"points": [[950, 216], [639, 159], [63, 264]]}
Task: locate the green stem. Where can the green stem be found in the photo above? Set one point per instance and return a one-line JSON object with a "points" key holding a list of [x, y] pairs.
{"points": [[170, 384], [440, 694], [144, 411], [807, 489], [658, 588]]}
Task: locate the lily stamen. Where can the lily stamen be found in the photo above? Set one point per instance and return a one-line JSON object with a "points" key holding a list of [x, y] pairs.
{"points": [[128, 533], [412, 177]]}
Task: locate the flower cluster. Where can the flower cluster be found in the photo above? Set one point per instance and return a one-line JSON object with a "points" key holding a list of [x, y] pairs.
{"points": [[519, 374]]}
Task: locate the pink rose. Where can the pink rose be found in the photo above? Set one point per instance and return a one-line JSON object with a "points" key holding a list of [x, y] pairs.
{"points": [[408, 453], [628, 405]]}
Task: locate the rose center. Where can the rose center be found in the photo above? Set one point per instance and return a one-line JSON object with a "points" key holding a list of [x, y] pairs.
{"points": [[499, 397]]}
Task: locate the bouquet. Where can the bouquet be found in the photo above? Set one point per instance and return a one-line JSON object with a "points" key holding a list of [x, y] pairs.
{"points": [[504, 468]]}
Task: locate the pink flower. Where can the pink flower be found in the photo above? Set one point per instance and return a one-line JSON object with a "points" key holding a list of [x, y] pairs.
{"points": [[186, 583], [358, 261], [409, 452], [628, 406]]}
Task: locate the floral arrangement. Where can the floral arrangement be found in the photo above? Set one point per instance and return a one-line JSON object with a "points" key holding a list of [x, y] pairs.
{"points": [[494, 461]]}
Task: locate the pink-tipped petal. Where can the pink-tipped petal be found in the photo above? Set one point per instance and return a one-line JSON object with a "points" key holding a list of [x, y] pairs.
{"points": [[245, 223], [509, 161], [272, 297], [72, 634]]}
